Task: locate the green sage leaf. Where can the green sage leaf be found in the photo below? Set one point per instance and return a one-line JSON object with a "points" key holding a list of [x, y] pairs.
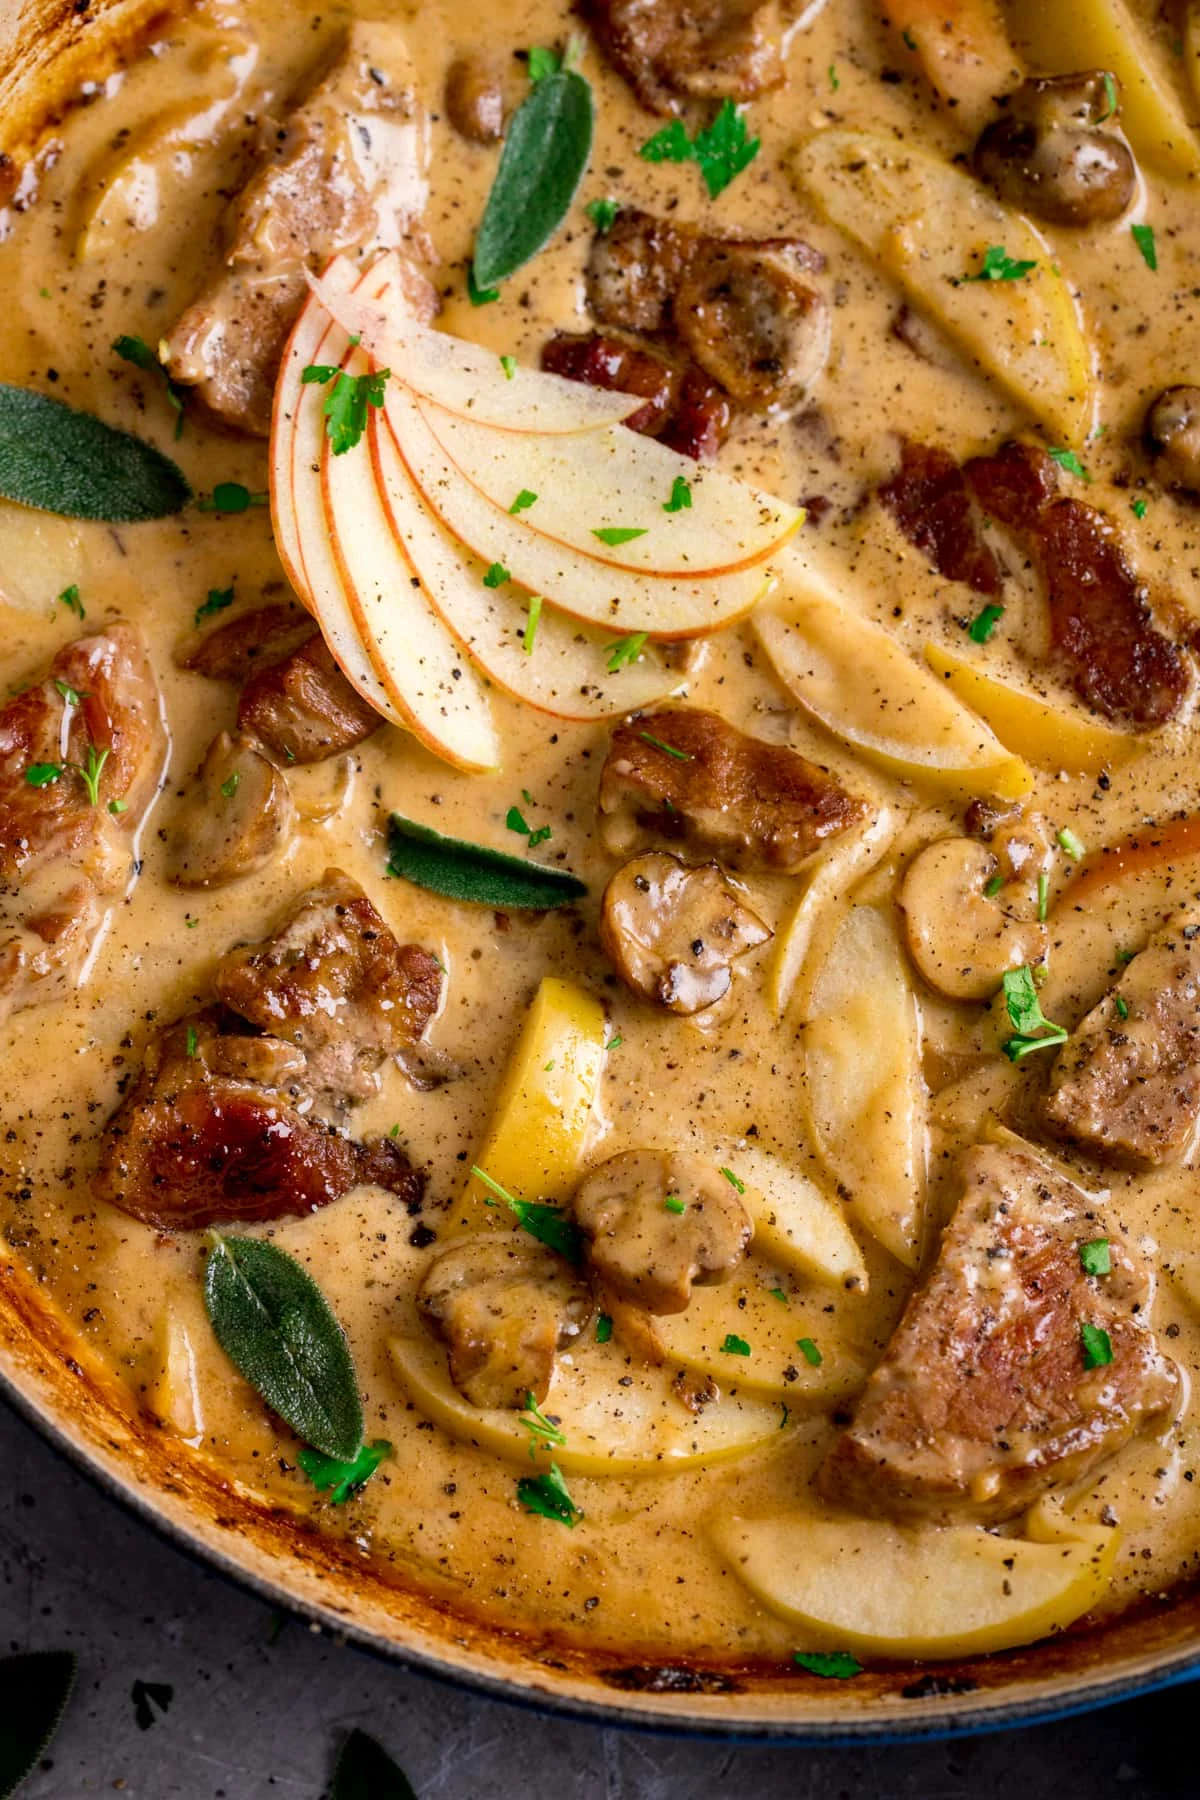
{"points": [[36, 1689], [365, 1771], [275, 1325], [63, 461], [544, 157], [470, 872]]}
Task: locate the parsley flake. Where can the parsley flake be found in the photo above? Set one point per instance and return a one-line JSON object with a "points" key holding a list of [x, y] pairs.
{"points": [[218, 600], [344, 1478], [548, 1224], [496, 576], [531, 624], [1043, 897], [346, 406], [193, 1042], [1033, 1031], [116, 807], [614, 1043], [998, 265], [834, 1665], [626, 650], [547, 1496], [673, 1204], [70, 599], [1143, 237], [992, 888], [834, 83], [232, 497], [777, 1293], [1122, 1006], [1097, 1346], [1095, 1257], [516, 821], [681, 496], [735, 1346], [1068, 842], [509, 365], [603, 1329], [543, 1432], [1067, 459], [40, 775], [1110, 97], [809, 1352], [524, 500], [618, 534], [722, 150], [1138, 508], [734, 1180], [230, 785], [984, 623], [137, 351], [603, 213]]}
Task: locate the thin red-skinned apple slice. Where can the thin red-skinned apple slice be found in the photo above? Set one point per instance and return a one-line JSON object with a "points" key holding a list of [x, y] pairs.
{"points": [[463, 377], [566, 674], [617, 478], [616, 599], [420, 665], [297, 511]]}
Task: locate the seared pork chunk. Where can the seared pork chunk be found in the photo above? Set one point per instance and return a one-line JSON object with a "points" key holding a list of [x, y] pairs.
{"points": [[672, 50], [303, 708], [752, 805], [345, 171], [215, 1132], [673, 933], [681, 407], [503, 1307], [657, 1222], [635, 268], [335, 982], [237, 816], [931, 503], [81, 757], [1126, 1085], [985, 1397], [238, 648]]}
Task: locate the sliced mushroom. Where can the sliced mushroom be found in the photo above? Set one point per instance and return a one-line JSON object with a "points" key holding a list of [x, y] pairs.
{"points": [[658, 1220], [475, 98], [673, 933], [1173, 437], [1056, 153], [962, 939], [751, 323], [1023, 844], [238, 815], [503, 1307]]}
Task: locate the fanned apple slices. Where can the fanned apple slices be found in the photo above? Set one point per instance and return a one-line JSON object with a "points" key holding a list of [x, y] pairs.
{"points": [[427, 584]]}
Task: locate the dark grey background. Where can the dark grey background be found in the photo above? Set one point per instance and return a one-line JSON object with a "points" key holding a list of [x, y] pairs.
{"points": [[258, 1708]]}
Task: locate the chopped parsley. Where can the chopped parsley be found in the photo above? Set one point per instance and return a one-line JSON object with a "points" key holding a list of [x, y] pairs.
{"points": [[777, 1293], [998, 265], [984, 623], [626, 650], [496, 576], [91, 770], [674, 1204], [618, 534], [1138, 508], [531, 623], [509, 365], [346, 403], [547, 1496], [1033, 1031], [1097, 1346], [681, 496], [722, 150], [908, 40], [1067, 459], [1043, 899], [344, 1478], [543, 1432], [71, 695], [548, 1224], [230, 785], [516, 821], [734, 1181], [137, 351], [116, 807], [193, 1042], [603, 1329], [834, 1665], [603, 213], [543, 62], [70, 599], [232, 497], [524, 500], [1110, 97], [1143, 237], [1126, 956], [40, 775], [1070, 844], [218, 600], [669, 749], [809, 1352], [614, 1043], [1095, 1257], [1122, 1006], [834, 83], [992, 887], [735, 1346]]}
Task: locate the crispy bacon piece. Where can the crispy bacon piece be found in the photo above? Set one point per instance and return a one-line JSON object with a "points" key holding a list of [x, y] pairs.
{"points": [[931, 503], [724, 794], [671, 50], [63, 860], [213, 1133], [1101, 623], [303, 708], [682, 407]]}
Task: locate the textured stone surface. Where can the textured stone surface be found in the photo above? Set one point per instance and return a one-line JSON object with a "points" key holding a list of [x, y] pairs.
{"points": [[258, 1707]]}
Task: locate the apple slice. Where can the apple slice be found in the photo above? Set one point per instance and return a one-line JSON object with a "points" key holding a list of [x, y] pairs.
{"points": [[1052, 737], [827, 876], [297, 504], [622, 601], [864, 1585], [794, 1222], [600, 480], [742, 1332], [462, 377], [618, 1418], [565, 671]]}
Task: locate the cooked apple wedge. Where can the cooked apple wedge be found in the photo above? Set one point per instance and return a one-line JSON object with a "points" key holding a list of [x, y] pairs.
{"points": [[794, 1222], [863, 1585], [1052, 737], [462, 377], [665, 606], [963, 49], [831, 873], [620, 482], [743, 1333], [864, 1099], [618, 1417], [552, 663], [931, 226], [857, 682]]}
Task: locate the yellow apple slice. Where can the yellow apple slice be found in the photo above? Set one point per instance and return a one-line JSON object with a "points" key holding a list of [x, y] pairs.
{"points": [[462, 377], [620, 600], [829, 875], [534, 1143], [1046, 735], [742, 1332], [1104, 34], [856, 681], [618, 1417], [864, 1099], [422, 668], [600, 480], [963, 49], [564, 671], [929, 225], [864, 1585], [795, 1224], [298, 507]]}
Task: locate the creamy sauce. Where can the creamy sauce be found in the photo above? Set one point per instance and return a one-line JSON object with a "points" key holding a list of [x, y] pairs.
{"points": [[638, 1572]]}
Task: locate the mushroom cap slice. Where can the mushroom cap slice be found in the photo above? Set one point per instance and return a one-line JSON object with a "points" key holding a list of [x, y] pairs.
{"points": [[673, 933], [657, 1221], [236, 818], [963, 940]]}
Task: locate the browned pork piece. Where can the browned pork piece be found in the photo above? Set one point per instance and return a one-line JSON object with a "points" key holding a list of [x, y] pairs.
{"points": [[1012, 1368], [673, 933], [230, 1116], [344, 171], [503, 1307], [238, 647], [81, 757], [672, 50], [689, 776], [931, 503], [303, 708], [1102, 625], [657, 1222], [1126, 1086]]}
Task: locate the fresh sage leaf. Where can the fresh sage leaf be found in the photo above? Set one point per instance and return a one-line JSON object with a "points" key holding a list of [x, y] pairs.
{"points": [[545, 154], [463, 871], [36, 1689], [274, 1324], [63, 461], [365, 1771]]}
